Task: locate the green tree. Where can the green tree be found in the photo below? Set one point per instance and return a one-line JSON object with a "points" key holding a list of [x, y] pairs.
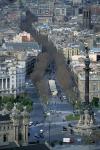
{"points": [[95, 101], [9, 105], [29, 108]]}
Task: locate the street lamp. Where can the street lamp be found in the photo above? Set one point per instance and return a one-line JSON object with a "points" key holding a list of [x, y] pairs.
{"points": [[48, 114]]}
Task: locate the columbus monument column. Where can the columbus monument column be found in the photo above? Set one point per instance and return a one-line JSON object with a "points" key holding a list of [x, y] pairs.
{"points": [[87, 70], [87, 114]]}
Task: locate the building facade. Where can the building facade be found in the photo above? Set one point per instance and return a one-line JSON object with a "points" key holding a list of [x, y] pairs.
{"points": [[7, 77], [77, 65], [94, 85], [14, 127], [12, 76], [71, 50]]}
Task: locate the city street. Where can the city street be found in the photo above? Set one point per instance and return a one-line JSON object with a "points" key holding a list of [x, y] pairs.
{"points": [[38, 111], [52, 125]]}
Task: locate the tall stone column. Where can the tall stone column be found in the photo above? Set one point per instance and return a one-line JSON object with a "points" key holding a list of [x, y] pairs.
{"points": [[25, 135], [25, 115], [87, 70], [16, 134], [2, 83], [15, 116], [6, 84]]}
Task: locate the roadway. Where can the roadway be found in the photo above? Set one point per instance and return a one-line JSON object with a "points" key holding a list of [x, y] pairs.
{"points": [[51, 125]]}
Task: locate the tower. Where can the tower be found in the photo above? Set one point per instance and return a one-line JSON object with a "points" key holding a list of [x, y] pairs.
{"points": [[87, 18], [25, 116]]}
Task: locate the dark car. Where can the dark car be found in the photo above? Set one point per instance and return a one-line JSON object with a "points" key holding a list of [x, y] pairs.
{"points": [[64, 129], [35, 123]]}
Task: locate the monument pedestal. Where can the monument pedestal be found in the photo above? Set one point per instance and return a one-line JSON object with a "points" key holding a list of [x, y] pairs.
{"points": [[87, 124]]}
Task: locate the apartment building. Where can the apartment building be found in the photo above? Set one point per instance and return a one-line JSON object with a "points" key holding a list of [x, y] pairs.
{"points": [[71, 50]]}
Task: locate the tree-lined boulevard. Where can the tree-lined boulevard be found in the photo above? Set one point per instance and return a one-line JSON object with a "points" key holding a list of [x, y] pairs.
{"points": [[49, 65]]}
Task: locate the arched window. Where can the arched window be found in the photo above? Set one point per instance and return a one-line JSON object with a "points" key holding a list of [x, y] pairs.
{"points": [[4, 138]]}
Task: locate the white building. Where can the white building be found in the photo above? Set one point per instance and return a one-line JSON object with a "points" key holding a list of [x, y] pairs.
{"points": [[20, 76], [25, 51], [12, 76]]}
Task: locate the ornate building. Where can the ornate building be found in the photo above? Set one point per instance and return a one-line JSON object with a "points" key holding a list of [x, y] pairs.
{"points": [[14, 127]]}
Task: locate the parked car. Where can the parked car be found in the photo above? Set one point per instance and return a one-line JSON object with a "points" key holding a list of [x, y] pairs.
{"points": [[64, 128], [37, 136], [30, 123], [35, 123]]}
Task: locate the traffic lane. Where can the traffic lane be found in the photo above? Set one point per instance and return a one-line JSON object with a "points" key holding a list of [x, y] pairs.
{"points": [[34, 130], [55, 117], [32, 92], [59, 107], [50, 133], [38, 110], [55, 132], [38, 113]]}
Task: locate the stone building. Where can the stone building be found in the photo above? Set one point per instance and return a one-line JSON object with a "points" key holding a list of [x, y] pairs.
{"points": [[7, 76], [12, 76], [94, 85], [71, 50], [14, 127]]}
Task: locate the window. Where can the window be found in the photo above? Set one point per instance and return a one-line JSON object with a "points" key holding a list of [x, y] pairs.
{"points": [[12, 86], [4, 138], [94, 87]]}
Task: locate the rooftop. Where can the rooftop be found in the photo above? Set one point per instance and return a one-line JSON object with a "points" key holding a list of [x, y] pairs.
{"points": [[22, 46], [95, 49]]}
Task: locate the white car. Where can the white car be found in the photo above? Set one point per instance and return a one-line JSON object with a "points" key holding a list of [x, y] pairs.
{"points": [[64, 97], [30, 123], [41, 131], [79, 139]]}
